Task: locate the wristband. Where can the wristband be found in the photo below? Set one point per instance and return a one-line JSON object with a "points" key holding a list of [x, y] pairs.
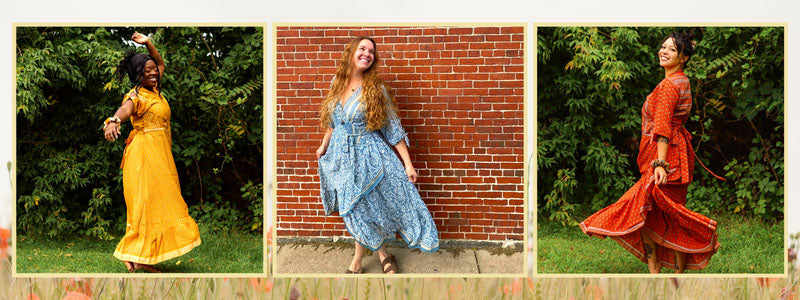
{"points": [[114, 119]]}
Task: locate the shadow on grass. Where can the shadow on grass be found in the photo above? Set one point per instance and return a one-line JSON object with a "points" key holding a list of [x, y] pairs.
{"points": [[220, 252], [746, 246]]}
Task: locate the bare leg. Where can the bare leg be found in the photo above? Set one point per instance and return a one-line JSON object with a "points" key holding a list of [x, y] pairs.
{"points": [[680, 260], [382, 254], [355, 265], [650, 253]]}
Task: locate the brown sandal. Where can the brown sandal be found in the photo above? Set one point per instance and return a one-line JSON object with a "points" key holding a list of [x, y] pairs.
{"points": [[392, 262], [354, 272], [132, 267]]}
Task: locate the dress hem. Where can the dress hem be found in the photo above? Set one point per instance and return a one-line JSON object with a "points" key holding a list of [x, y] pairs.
{"points": [[152, 261]]}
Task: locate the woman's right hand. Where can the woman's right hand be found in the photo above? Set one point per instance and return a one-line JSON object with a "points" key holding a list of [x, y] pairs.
{"points": [[321, 151], [112, 131]]}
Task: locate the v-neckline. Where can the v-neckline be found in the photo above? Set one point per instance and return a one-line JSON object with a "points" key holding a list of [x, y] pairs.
{"points": [[347, 101]]}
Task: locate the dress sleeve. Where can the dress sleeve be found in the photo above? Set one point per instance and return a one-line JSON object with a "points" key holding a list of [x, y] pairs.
{"points": [[139, 105], [665, 107], [393, 131]]}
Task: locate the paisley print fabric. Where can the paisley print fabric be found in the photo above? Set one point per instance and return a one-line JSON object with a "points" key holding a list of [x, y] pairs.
{"points": [[363, 179], [659, 210]]}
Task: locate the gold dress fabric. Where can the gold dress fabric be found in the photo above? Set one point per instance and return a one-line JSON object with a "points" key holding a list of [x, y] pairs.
{"points": [[158, 223]]}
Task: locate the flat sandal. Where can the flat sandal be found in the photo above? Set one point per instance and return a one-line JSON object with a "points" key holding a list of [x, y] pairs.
{"points": [[392, 262]]}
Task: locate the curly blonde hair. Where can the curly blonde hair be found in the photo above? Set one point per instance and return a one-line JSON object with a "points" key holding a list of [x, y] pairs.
{"points": [[373, 98]]}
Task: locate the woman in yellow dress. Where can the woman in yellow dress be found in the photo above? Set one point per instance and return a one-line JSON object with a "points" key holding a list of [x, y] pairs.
{"points": [[158, 223]]}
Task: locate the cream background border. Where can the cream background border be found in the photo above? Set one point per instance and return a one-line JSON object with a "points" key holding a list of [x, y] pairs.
{"points": [[625, 11]]}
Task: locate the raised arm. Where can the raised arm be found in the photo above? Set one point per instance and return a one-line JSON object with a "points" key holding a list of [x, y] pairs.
{"points": [[151, 49]]}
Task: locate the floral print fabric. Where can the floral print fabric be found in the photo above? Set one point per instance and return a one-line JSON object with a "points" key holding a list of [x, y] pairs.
{"points": [[363, 179]]}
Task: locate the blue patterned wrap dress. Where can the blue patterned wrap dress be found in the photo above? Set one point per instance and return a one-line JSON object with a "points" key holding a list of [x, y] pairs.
{"points": [[362, 178]]}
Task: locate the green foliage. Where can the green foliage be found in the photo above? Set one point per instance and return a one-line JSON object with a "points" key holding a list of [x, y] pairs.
{"points": [[69, 181], [592, 83]]}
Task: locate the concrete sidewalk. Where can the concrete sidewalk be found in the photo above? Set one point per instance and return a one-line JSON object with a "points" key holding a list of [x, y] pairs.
{"points": [[335, 257]]}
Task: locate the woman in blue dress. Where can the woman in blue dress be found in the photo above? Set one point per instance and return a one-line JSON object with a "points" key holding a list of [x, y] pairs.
{"points": [[360, 176]]}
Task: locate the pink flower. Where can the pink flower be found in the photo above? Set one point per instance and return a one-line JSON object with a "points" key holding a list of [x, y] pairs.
{"points": [[516, 286], [787, 294], [79, 285], [595, 291], [76, 296]]}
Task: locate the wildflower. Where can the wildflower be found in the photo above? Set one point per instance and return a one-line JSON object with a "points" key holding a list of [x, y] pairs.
{"points": [[295, 293], [595, 291], [763, 281], [455, 290], [792, 254], [787, 294], [32, 297], [79, 285], [261, 284], [5, 234], [76, 296], [516, 286]]}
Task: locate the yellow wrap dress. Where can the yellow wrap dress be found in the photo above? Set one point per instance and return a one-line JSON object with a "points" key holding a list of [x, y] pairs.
{"points": [[158, 223]]}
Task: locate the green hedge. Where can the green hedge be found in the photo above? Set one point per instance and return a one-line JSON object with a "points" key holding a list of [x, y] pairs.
{"points": [[68, 176], [592, 83]]}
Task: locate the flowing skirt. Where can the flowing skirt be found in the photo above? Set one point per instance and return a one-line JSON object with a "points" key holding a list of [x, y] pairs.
{"points": [[658, 211], [158, 223]]}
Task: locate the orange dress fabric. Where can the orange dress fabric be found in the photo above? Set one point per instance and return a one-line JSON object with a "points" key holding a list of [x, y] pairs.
{"points": [[158, 223], [659, 210]]}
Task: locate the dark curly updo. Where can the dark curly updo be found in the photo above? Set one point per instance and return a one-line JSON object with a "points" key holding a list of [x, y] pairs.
{"points": [[132, 64], [684, 43]]}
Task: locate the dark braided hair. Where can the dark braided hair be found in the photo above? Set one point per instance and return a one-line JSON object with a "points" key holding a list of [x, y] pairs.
{"points": [[132, 64], [684, 43]]}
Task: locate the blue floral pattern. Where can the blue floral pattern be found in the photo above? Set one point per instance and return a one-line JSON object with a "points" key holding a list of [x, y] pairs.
{"points": [[362, 178]]}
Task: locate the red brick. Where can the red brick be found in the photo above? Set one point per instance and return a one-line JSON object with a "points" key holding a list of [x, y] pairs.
{"points": [[455, 105]]}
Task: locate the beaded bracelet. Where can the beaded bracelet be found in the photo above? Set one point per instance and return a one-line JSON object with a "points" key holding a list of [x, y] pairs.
{"points": [[660, 163]]}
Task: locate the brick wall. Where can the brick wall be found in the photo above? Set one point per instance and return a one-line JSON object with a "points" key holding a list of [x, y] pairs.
{"points": [[460, 94]]}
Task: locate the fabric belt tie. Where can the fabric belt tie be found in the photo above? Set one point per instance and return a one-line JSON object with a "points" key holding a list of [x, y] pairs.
{"points": [[682, 130], [131, 135]]}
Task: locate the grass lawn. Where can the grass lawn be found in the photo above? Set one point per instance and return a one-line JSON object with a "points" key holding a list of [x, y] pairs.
{"points": [[746, 246], [220, 252]]}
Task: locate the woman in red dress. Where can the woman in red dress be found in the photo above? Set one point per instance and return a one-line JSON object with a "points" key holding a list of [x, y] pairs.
{"points": [[650, 220]]}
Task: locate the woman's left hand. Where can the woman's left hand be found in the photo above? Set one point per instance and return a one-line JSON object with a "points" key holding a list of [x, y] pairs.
{"points": [[140, 38], [659, 175], [411, 173], [111, 132]]}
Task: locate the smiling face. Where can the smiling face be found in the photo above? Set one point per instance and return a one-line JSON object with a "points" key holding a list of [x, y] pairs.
{"points": [[150, 74], [669, 57], [364, 56]]}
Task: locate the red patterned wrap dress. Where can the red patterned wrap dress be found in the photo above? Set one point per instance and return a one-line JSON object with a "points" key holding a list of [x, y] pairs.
{"points": [[659, 211]]}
